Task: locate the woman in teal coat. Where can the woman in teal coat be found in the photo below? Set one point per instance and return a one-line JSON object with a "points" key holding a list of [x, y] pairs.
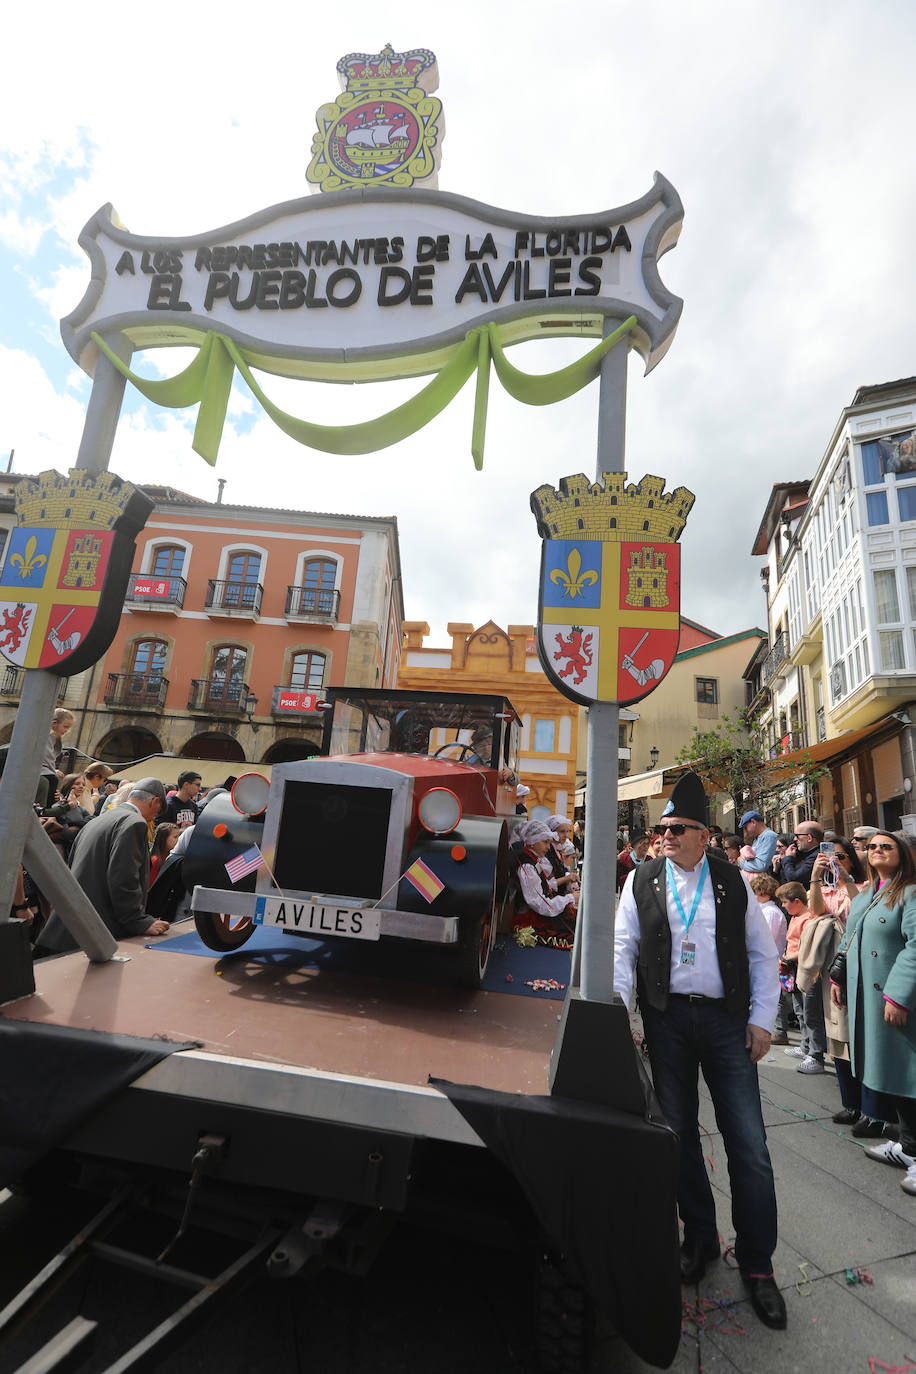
{"points": [[880, 987]]}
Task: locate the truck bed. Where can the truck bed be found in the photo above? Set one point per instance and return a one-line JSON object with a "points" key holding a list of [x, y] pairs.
{"points": [[304, 1041]]}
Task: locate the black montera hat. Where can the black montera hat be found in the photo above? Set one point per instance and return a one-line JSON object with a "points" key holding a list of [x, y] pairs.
{"points": [[688, 799]]}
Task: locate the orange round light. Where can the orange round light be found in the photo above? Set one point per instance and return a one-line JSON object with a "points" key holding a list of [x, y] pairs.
{"points": [[220, 830], [459, 853]]}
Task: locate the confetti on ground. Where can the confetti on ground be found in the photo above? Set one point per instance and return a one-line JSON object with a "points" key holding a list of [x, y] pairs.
{"points": [[709, 1314], [859, 1276], [879, 1367], [804, 1286], [544, 984], [509, 978]]}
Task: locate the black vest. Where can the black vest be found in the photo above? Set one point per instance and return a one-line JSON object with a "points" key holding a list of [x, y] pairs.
{"points": [[653, 964]]}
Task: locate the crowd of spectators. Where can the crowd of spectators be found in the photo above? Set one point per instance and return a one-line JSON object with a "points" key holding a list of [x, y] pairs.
{"points": [[842, 912]]}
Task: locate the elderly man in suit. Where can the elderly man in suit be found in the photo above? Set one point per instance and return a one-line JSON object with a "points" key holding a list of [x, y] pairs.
{"points": [[110, 861]]}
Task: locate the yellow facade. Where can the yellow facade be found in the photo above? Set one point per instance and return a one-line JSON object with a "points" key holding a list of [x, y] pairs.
{"points": [[490, 660]]}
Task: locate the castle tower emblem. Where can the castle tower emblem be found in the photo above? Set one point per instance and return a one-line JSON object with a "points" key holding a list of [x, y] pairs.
{"points": [[386, 127], [609, 606]]}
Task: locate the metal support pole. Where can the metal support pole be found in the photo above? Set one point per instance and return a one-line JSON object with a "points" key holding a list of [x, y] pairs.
{"points": [[36, 707], [599, 880], [68, 899]]}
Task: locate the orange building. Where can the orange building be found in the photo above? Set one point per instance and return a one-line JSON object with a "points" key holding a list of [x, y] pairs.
{"points": [[492, 660], [235, 621]]}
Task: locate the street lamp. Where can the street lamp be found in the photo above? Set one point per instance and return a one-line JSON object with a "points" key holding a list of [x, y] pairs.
{"points": [[653, 757], [251, 705]]}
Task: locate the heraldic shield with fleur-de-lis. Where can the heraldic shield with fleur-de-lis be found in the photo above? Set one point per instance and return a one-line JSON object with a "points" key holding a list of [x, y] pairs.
{"points": [[609, 603], [68, 559]]}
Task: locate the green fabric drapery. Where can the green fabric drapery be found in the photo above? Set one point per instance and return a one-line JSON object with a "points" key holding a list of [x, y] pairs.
{"points": [[207, 381]]}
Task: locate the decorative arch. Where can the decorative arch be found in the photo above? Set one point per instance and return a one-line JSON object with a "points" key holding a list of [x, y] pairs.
{"points": [[127, 744], [294, 651], [291, 750], [490, 648], [227, 552], [166, 542], [213, 744]]}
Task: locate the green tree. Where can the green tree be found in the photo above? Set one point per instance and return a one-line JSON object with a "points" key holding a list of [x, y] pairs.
{"points": [[735, 758]]}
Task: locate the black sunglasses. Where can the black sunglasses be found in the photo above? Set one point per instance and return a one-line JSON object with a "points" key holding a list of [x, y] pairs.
{"points": [[871, 845], [677, 828]]}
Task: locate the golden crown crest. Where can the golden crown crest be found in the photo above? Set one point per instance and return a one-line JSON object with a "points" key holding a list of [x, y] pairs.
{"points": [[388, 70], [81, 499], [616, 512]]}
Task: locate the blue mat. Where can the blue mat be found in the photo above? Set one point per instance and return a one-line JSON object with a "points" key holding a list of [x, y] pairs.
{"points": [[511, 969]]}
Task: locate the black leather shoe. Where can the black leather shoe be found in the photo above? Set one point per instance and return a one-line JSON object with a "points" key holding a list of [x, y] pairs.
{"points": [[847, 1117], [695, 1255], [867, 1129], [767, 1301]]}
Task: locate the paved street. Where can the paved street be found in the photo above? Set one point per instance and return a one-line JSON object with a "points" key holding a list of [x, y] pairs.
{"points": [[456, 1307]]}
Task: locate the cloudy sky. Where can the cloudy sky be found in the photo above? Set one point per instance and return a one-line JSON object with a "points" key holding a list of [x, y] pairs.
{"points": [[786, 128]]}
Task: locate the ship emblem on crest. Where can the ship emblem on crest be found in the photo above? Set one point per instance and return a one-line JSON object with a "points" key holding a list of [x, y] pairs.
{"points": [[609, 603], [68, 559], [386, 127]]}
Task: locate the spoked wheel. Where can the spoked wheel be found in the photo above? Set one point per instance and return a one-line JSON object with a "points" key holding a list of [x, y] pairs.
{"points": [[223, 932]]}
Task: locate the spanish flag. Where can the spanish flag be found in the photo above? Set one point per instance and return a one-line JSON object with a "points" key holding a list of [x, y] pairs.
{"points": [[421, 876]]}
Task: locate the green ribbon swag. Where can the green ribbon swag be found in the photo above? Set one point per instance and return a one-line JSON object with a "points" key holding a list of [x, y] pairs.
{"points": [[207, 381]]}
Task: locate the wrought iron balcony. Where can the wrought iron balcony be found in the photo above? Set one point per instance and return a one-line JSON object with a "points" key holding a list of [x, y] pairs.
{"points": [[156, 593], [312, 603], [217, 696], [241, 599], [11, 683], [777, 656], [136, 691]]}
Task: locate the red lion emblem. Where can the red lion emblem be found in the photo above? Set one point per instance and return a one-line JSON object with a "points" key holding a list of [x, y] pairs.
{"points": [[14, 627], [578, 651]]}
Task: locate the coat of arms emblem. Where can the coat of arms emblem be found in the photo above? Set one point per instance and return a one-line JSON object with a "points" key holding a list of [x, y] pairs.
{"points": [[66, 569], [385, 129], [609, 604]]}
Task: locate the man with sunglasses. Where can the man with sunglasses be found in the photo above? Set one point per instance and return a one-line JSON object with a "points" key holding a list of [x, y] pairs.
{"points": [[705, 966], [798, 860]]}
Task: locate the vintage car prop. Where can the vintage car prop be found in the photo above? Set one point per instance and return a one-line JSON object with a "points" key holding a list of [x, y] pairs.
{"points": [[399, 830]]}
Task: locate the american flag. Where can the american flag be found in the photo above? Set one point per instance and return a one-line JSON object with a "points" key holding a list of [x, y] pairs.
{"points": [[244, 863]]}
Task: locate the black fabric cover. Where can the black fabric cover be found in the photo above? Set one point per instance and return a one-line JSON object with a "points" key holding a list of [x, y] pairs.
{"points": [[54, 1078], [603, 1187]]}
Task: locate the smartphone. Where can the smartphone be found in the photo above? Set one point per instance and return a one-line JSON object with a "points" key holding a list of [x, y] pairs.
{"points": [[826, 847]]}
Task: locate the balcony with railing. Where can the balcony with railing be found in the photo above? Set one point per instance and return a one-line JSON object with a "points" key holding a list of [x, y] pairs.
{"points": [[321, 604], [13, 679], [136, 691], [240, 600], [149, 593], [775, 658], [218, 696]]}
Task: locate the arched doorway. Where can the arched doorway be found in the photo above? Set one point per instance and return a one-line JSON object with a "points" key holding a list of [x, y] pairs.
{"points": [[290, 751], [126, 745], [213, 746]]}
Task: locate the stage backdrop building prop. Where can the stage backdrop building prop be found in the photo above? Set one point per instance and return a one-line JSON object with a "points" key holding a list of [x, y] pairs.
{"points": [[67, 567], [609, 604], [379, 277]]}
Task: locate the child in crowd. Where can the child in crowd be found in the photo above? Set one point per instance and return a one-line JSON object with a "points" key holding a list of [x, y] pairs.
{"points": [[809, 1007], [165, 838], [764, 888]]}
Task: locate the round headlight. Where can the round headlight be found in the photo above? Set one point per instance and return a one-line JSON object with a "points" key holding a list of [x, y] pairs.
{"points": [[439, 810], [249, 794]]}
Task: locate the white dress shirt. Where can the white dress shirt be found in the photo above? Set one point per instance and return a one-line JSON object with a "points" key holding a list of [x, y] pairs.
{"points": [[701, 977]]}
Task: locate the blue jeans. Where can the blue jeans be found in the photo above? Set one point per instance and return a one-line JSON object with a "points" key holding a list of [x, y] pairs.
{"points": [[809, 1008], [685, 1038]]}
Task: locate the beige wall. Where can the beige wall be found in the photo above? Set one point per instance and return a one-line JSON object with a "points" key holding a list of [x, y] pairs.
{"points": [[668, 716]]}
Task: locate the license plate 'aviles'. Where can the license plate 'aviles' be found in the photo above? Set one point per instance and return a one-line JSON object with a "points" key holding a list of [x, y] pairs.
{"points": [[315, 918]]}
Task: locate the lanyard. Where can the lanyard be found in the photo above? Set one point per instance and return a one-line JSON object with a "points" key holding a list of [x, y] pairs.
{"points": [[687, 920]]}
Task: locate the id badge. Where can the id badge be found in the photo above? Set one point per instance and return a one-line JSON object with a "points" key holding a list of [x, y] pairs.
{"points": [[688, 953]]}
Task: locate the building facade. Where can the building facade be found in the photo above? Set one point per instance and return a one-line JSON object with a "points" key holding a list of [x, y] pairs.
{"points": [[235, 621], [492, 660], [840, 671]]}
